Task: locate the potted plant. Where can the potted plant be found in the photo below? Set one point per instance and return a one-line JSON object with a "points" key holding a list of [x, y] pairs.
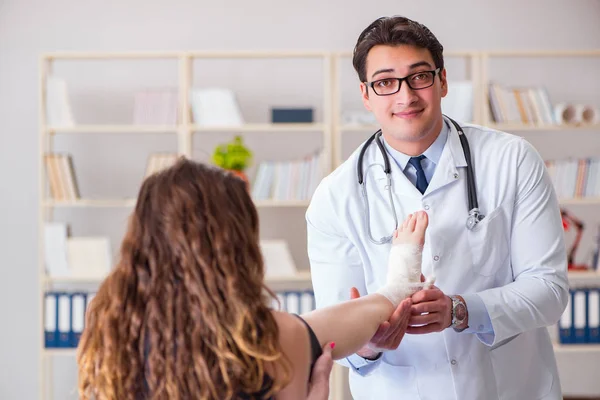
{"points": [[233, 156]]}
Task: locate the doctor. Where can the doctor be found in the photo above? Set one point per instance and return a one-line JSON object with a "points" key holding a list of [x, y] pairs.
{"points": [[501, 279]]}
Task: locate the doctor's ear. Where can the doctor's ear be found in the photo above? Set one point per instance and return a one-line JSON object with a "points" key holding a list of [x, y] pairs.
{"points": [[364, 91], [443, 82]]}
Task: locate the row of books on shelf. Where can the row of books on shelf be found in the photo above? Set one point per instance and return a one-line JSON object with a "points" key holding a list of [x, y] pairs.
{"points": [[532, 106], [64, 313], [580, 322], [287, 180], [575, 178], [520, 105], [62, 179]]}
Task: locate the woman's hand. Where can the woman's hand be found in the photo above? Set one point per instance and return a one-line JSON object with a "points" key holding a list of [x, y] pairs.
{"points": [[318, 388]]}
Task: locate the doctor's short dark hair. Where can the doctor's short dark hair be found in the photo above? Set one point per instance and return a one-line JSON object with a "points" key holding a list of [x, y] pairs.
{"points": [[394, 31]]}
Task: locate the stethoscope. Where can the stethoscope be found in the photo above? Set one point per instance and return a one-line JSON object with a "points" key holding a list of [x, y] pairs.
{"points": [[474, 215]]}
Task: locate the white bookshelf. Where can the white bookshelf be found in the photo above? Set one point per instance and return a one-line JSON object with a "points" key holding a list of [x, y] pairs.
{"points": [[331, 128]]}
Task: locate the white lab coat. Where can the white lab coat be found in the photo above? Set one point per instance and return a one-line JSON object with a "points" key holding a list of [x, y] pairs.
{"points": [[514, 259]]}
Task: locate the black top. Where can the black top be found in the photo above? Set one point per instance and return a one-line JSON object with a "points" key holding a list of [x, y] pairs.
{"points": [[316, 352]]}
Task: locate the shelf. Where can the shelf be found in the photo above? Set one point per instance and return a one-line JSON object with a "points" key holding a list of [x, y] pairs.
{"points": [[82, 129], [584, 278], [300, 277], [577, 348], [580, 201], [542, 128], [67, 351], [281, 203], [359, 128], [126, 203], [261, 128], [100, 203]]}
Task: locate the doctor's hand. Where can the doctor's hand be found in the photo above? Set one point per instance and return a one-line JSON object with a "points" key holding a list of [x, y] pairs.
{"points": [[431, 311], [390, 333]]}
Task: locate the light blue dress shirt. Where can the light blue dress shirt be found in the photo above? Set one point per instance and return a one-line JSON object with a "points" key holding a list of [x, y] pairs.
{"points": [[479, 318]]}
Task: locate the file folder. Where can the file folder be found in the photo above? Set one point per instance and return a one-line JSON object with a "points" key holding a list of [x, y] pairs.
{"points": [[307, 302], [594, 315], [580, 315], [292, 302], [51, 320], [565, 324], [77, 318], [64, 320]]}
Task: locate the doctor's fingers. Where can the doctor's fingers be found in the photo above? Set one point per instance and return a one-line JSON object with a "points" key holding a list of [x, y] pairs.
{"points": [[428, 307], [426, 319], [421, 330], [431, 294]]}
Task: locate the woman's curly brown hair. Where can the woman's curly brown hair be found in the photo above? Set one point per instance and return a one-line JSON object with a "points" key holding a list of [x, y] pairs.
{"points": [[184, 314]]}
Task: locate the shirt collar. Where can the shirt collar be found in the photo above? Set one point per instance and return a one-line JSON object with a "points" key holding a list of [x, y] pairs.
{"points": [[433, 152]]}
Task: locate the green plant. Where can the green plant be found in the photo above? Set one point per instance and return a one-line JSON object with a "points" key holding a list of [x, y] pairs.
{"points": [[232, 155]]}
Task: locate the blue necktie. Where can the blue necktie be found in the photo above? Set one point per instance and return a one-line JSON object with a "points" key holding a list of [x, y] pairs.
{"points": [[421, 179]]}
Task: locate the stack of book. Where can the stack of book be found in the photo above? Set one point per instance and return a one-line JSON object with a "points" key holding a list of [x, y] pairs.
{"points": [[287, 180], [573, 178], [61, 176], [522, 105]]}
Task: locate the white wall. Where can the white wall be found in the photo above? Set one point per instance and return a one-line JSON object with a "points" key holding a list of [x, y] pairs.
{"points": [[29, 27]]}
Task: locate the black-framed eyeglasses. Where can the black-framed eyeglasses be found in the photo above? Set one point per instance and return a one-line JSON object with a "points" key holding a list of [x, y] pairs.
{"points": [[417, 81]]}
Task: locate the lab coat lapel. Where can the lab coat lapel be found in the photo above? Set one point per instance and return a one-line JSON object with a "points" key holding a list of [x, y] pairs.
{"points": [[452, 158]]}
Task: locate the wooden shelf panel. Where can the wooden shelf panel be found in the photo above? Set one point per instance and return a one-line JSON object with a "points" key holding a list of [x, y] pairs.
{"points": [[281, 203], [359, 128], [577, 348], [579, 279], [302, 276], [125, 203], [67, 351], [65, 55], [542, 128], [580, 201], [83, 129], [261, 128], [94, 203]]}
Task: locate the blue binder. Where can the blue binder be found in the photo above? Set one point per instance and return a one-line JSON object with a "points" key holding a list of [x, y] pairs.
{"points": [[64, 320], [566, 334], [593, 315], [51, 320], [78, 306], [580, 320]]}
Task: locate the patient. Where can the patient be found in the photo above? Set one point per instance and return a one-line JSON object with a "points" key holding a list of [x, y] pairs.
{"points": [[185, 313]]}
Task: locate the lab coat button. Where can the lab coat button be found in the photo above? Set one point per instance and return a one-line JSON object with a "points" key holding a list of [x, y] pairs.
{"points": [[455, 176], [436, 258], [453, 362], [426, 206]]}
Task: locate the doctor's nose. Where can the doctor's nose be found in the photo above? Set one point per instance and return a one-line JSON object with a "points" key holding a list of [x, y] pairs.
{"points": [[405, 95]]}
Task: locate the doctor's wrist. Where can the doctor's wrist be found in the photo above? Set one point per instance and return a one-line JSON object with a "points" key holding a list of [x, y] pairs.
{"points": [[459, 314], [369, 354]]}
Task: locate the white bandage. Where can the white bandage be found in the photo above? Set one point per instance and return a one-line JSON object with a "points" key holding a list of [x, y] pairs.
{"points": [[404, 272]]}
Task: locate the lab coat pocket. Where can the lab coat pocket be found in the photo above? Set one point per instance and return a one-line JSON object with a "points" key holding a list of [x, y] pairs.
{"points": [[387, 382], [488, 243]]}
